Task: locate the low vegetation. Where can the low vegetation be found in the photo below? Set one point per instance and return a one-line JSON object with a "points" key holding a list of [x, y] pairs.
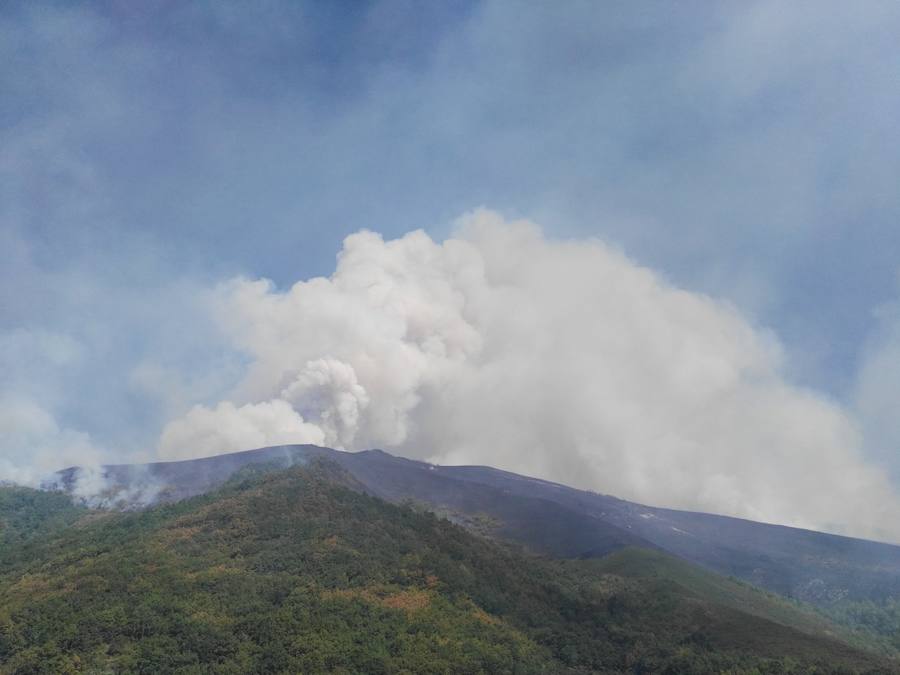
{"points": [[298, 571], [880, 621]]}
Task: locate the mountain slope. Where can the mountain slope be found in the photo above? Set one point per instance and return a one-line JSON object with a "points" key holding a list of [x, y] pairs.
{"points": [[297, 570], [812, 566], [557, 520]]}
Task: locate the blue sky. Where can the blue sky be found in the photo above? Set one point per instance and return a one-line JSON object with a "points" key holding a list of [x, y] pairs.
{"points": [[743, 150]]}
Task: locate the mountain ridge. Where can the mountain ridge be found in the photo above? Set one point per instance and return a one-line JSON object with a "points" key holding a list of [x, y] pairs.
{"points": [[557, 520], [299, 569]]}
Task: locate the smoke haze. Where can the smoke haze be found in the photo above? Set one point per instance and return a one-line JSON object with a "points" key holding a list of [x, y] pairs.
{"points": [[743, 357], [559, 359]]}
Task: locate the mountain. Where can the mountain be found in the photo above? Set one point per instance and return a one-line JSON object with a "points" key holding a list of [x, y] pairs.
{"points": [[304, 569], [553, 519]]}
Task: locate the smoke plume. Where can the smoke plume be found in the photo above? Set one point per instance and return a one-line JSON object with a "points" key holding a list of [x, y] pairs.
{"points": [[559, 359]]}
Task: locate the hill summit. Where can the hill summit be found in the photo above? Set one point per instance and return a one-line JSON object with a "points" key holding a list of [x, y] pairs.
{"points": [[298, 569], [546, 517]]}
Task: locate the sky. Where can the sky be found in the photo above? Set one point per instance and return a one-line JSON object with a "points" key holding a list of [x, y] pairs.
{"points": [[647, 249]]}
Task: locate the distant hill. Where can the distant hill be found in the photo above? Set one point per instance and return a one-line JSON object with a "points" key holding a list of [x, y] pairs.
{"points": [[549, 518], [299, 570]]}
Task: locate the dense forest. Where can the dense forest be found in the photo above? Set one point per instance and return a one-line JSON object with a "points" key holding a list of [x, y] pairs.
{"points": [[298, 570]]}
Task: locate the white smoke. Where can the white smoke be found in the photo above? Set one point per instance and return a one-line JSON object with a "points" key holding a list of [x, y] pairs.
{"points": [[877, 390], [327, 392], [227, 428], [559, 359], [33, 445], [93, 486]]}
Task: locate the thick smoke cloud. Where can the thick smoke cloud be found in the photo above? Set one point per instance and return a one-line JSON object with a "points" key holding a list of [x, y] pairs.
{"points": [[746, 151], [227, 428], [559, 359]]}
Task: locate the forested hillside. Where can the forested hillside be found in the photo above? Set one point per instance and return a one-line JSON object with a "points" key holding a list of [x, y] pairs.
{"points": [[296, 570]]}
